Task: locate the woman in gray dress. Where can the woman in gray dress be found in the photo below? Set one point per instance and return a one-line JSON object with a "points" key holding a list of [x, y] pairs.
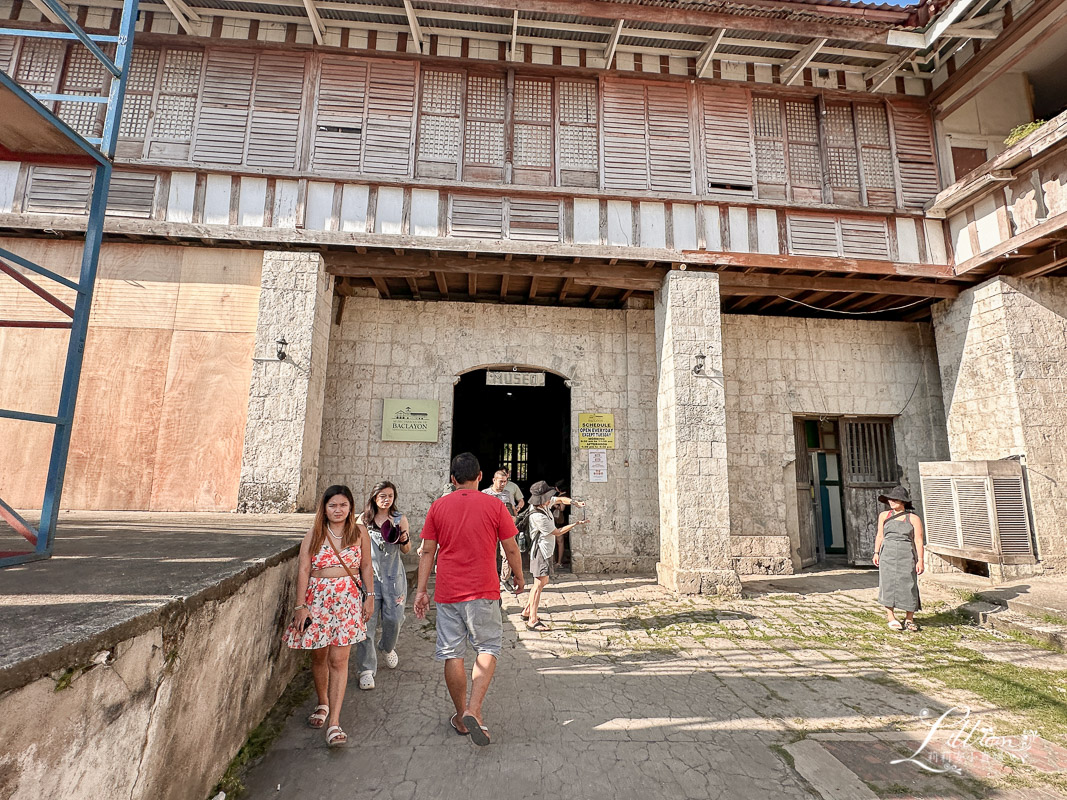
{"points": [[898, 554]]}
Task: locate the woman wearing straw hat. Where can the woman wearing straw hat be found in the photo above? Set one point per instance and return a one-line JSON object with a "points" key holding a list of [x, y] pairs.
{"points": [[898, 554]]}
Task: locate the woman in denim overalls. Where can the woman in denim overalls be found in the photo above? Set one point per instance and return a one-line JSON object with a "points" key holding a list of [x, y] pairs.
{"points": [[390, 582]]}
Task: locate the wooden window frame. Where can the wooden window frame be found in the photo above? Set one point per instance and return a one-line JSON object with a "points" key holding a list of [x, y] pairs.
{"points": [[459, 116]]}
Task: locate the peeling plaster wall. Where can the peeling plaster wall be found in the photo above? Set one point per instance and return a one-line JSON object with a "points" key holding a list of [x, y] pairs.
{"points": [[163, 717]]}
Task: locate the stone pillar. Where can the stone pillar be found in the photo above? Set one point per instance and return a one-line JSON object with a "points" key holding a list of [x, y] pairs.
{"points": [[1002, 349], [694, 495], [280, 463]]}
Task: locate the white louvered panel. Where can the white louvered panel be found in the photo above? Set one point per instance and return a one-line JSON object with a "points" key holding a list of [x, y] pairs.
{"points": [[390, 114], [220, 131], [939, 512], [534, 220], [276, 104], [670, 149], [1013, 522], [139, 86], [915, 154], [727, 137], [865, 238], [7, 51], [625, 145], [338, 139], [477, 217], [812, 236], [83, 75], [59, 190], [131, 194], [973, 503]]}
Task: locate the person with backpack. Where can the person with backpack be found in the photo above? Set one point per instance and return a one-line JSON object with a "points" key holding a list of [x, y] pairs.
{"points": [[543, 532]]}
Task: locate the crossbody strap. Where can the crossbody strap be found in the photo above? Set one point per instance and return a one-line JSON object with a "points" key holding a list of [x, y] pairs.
{"points": [[344, 566]]}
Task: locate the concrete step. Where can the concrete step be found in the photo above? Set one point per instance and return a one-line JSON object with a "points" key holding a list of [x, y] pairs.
{"points": [[1001, 617]]}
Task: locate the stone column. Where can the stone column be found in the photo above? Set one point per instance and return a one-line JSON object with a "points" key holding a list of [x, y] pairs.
{"points": [[694, 495], [279, 466], [1002, 349]]}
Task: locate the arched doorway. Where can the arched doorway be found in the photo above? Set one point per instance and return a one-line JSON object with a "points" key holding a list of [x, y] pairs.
{"points": [[506, 419]]}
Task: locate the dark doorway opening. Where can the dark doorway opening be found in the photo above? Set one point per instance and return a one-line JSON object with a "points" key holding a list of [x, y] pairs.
{"points": [[525, 428]]}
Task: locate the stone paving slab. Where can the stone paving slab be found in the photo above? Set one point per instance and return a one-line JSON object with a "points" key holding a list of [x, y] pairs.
{"points": [[635, 693], [112, 569]]}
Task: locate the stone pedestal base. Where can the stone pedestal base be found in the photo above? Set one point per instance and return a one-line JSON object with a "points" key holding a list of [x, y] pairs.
{"points": [[722, 582]]}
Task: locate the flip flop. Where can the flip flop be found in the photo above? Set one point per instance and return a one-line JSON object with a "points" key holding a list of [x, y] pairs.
{"points": [[537, 626], [455, 727], [317, 718], [895, 625], [479, 733]]}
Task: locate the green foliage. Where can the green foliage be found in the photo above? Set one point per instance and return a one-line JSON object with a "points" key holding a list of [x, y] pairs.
{"points": [[1020, 132]]}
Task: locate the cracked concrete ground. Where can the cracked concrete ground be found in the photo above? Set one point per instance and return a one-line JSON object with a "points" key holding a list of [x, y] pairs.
{"points": [[794, 692]]}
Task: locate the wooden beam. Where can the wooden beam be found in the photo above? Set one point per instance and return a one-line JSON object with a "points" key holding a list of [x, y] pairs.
{"points": [[625, 297], [593, 295], [414, 287], [442, 284], [472, 284], [382, 288], [514, 35], [613, 42], [1050, 260], [316, 21], [180, 12], [791, 71], [340, 309], [731, 283], [965, 32], [1044, 230], [533, 288], [503, 286], [568, 284], [48, 13], [878, 76], [831, 264], [413, 23], [707, 52]]}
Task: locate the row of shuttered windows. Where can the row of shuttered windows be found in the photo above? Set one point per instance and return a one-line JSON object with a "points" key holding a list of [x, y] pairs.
{"points": [[347, 115]]}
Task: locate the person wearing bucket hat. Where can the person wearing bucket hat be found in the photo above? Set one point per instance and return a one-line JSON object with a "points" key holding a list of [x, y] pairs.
{"points": [[898, 554], [543, 532]]}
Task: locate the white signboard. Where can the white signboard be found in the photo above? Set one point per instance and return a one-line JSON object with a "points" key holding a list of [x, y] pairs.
{"points": [[598, 466], [514, 379]]}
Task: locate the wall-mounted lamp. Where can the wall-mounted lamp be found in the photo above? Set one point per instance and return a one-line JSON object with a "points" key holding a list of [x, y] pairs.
{"points": [[282, 344], [698, 367]]}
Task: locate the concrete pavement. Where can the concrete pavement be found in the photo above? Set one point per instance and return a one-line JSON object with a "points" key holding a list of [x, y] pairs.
{"points": [[797, 691]]}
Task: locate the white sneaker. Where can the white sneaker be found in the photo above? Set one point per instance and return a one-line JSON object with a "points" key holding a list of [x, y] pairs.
{"points": [[391, 659], [366, 680]]}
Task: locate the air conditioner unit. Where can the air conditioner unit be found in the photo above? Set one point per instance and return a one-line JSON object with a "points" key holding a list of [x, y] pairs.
{"points": [[977, 510]]}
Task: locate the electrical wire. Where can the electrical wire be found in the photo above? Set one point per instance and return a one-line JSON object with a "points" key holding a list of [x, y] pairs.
{"points": [[852, 313]]}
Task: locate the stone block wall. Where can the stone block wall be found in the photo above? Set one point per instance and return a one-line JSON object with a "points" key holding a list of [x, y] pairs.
{"points": [[279, 468], [780, 367], [404, 349], [1002, 346]]}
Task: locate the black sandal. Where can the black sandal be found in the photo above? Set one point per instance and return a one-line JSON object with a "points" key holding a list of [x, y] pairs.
{"points": [[537, 626]]}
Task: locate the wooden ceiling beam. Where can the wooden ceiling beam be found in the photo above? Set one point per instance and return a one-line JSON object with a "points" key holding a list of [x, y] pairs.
{"points": [[413, 23], [1050, 260], [503, 286], [737, 283], [707, 53], [442, 284], [317, 27], [793, 70], [613, 42], [533, 289], [382, 287]]}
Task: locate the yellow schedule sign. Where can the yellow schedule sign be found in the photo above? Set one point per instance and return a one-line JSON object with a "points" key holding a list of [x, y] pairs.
{"points": [[409, 421], [596, 431]]}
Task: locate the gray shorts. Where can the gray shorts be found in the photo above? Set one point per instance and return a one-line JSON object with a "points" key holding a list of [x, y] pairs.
{"points": [[474, 621], [539, 564]]}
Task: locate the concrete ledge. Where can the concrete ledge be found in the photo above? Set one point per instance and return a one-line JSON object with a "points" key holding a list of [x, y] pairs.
{"points": [[1001, 618], [722, 582], [608, 564]]}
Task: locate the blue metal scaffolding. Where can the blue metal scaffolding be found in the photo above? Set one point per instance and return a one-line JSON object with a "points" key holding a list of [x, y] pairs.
{"points": [[36, 134]]}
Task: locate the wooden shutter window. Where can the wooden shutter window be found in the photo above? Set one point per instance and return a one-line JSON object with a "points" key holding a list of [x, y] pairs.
{"points": [[342, 103], [477, 217], [7, 52], [483, 134], [532, 132], [274, 134], [172, 122], [727, 138], [865, 238], [390, 118], [137, 107], [813, 236], [578, 154], [534, 220], [84, 75], [224, 109], [842, 160], [915, 154], [59, 190], [39, 64], [876, 157], [770, 146], [440, 112], [625, 137], [670, 148], [131, 194]]}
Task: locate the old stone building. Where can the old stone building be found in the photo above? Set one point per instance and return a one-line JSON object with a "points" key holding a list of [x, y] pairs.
{"points": [[726, 269]]}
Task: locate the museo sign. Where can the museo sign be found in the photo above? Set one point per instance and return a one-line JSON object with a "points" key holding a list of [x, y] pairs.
{"points": [[514, 378]]}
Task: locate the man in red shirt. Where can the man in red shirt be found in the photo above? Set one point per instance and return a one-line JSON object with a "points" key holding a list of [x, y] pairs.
{"points": [[462, 530]]}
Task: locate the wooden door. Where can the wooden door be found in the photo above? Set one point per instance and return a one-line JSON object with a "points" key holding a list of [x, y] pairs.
{"points": [[869, 468], [808, 549]]}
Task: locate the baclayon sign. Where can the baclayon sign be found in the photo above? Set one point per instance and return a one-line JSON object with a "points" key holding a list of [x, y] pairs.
{"points": [[409, 421], [596, 431]]}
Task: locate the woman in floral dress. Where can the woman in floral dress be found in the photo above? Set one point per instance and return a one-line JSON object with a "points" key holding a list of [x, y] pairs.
{"points": [[332, 614]]}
